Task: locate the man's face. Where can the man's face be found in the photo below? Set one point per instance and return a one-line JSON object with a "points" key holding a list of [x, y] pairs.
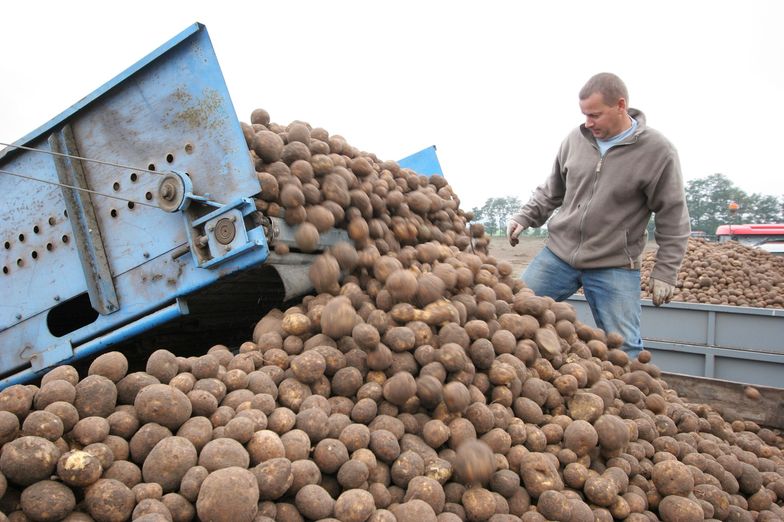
{"points": [[604, 121]]}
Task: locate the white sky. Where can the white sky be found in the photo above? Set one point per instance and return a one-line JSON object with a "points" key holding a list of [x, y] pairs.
{"points": [[493, 84]]}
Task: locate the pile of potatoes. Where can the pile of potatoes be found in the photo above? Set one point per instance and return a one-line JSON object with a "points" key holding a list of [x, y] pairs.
{"points": [[420, 382], [725, 274]]}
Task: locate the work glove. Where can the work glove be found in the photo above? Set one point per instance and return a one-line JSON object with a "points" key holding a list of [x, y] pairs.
{"points": [[661, 291], [513, 230]]}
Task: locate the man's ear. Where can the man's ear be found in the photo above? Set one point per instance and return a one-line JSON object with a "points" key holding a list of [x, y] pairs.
{"points": [[622, 104]]}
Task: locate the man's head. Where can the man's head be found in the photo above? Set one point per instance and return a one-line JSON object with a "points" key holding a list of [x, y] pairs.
{"points": [[604, 101]]}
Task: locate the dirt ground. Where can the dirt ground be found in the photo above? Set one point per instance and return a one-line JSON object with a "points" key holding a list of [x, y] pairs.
{"points": [[524, 252], [519, 255]]}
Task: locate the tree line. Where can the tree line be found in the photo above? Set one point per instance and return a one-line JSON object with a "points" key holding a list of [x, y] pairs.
{"points": [[707, 198]]}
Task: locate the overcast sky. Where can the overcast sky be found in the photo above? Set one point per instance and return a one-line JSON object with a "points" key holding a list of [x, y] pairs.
{"points": [[492, 84]]}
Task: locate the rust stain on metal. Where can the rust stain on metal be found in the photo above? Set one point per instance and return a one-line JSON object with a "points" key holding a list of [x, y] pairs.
{"points": [[206, 112]]}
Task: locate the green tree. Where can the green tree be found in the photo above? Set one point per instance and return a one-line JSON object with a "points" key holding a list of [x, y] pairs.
{"points": [[758, 208], [494, 213], [707, 199]]}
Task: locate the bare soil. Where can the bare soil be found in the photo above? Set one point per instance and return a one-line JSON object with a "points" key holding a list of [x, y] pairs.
{"points": [[522, 254], [519, 256]]}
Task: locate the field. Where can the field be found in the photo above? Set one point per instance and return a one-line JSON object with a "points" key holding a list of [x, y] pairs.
{"points": [[519, 255], [524, 252]]}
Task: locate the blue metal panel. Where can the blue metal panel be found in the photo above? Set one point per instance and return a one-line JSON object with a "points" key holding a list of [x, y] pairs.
{"points": [[424, 162], [171, 111], [145, 323]]}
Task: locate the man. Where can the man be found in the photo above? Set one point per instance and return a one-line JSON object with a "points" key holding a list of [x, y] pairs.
{"points": [[610, 174]]}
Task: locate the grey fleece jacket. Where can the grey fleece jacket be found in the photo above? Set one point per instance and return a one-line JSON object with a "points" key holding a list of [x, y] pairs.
{"points": [[606, 203]]}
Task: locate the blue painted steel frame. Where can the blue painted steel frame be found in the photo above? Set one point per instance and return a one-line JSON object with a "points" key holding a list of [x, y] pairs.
{"points": [[424, 162], [171, 109]]}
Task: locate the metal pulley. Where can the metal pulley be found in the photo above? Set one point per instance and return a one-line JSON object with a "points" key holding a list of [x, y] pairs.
{"points": [[225, 231], [175, 192]]}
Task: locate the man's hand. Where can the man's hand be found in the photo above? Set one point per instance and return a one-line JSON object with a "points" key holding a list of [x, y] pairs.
{"points": [[661, 291], [513, 230]]}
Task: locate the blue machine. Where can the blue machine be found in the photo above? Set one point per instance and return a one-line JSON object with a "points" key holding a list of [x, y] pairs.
{"points": [[423, 162], [133, 210]]}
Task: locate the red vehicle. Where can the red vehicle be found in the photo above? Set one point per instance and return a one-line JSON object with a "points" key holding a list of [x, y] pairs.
{"points": [[768, 237]]}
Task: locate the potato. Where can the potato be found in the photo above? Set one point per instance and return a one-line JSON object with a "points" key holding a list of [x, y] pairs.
{"points": [[112, 365], [191, 482], [265, 445], [330, 454], [538, 474], [505, 482], [164, 405], [338, 318], [309, 366], [479, 504], [181, 510], [43, 424], [145, 439], [95, 396], [168, 462], [90, 430], [268, 146], [428, 490], [354, 505], [9, 426], [28, 459], [241, 429], [681, 509], [456, 397], [581, 437], [163, 365], [150, 508], [672, 478], [78, 468], [229, 494], [274, 477], [307, 237], [585, 406], [109, 499], [54, 391], [47, 500], [474, 463], [64, 372], [222, 453], [314, 502], [407, 466], [613, 434], [130, 385]]}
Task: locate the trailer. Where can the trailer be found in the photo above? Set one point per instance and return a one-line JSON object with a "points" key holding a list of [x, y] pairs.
{"points": [[713, 353], [133, 213]]}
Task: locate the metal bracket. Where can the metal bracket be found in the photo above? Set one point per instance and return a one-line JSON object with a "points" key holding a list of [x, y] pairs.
{"points": [[89, 244], [223, 234], [282, 232], [48, 356]]}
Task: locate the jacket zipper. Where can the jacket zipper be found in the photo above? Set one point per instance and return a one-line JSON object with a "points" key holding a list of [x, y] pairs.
{"points": [[585, 211]]}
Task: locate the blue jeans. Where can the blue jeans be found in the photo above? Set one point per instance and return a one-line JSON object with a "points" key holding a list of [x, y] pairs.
{"points": [[612, 293]]}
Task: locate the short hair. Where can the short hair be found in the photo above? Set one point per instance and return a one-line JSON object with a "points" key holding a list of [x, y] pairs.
{"points": [[610, 86]]}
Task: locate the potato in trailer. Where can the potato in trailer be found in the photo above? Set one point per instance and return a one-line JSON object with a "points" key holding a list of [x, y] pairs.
{"points": [[132, 211]]}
